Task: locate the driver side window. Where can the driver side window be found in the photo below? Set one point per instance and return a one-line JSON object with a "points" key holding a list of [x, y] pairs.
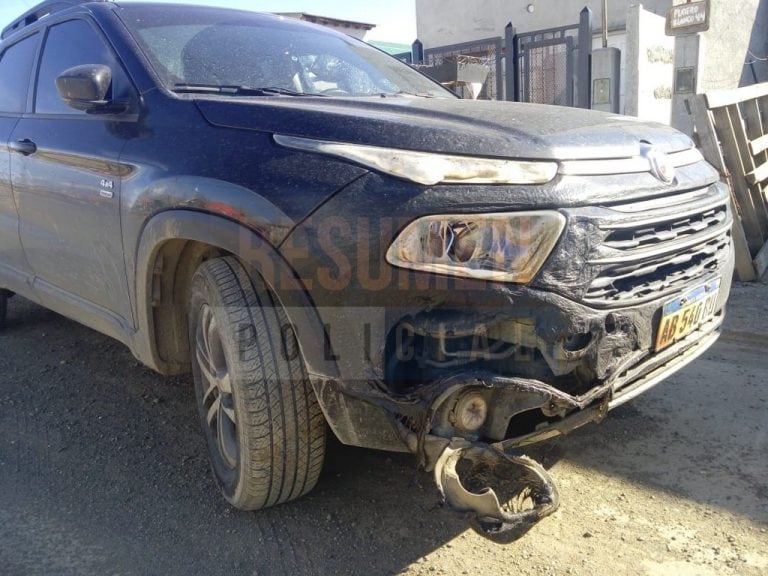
{"points": [[72, 43], [15, 69]]}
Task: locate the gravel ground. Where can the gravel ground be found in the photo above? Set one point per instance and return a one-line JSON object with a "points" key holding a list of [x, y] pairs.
{"points": [[103, 471]]}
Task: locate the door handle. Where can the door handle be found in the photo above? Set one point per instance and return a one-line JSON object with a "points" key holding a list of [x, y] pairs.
{"points": [[25, 147]]}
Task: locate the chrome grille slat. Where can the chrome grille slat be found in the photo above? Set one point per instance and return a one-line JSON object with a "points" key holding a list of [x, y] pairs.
{"points": [[665, 249], [641, 270], [679, 274], [643, 259], [677, 229], [684, 200], [630, 165]]}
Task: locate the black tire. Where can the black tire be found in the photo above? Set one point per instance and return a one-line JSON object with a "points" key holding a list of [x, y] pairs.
{"points": [[3, 309], [266, 436]]}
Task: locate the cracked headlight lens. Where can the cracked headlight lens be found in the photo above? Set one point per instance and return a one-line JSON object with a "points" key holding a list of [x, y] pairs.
{"points": [[428, 168], [505, 247]]}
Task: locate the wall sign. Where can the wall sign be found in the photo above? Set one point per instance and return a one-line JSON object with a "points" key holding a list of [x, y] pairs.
{"points": [[688, 18]]}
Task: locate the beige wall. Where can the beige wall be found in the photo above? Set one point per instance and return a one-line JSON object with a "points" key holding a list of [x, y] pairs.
{"points": [[722, 52], [723, 49], [756, 67]]}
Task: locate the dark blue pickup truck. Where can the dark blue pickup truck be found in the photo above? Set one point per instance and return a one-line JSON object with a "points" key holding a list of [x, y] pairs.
{"points": [[325, 238]]}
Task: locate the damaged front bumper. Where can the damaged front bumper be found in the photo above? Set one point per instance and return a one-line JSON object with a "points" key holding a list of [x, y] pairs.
{"points": [[471, 372], [481, 473], [502, 492]]}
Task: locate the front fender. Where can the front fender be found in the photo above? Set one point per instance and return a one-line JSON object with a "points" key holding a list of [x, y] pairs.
{"points": [[258, 257]]}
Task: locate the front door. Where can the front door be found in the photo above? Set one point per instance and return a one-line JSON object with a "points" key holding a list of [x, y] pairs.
{"points": [[16, 64], [67, 180]]}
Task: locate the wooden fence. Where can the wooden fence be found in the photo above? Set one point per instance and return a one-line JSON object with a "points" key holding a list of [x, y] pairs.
{"points": [[732, 127]]}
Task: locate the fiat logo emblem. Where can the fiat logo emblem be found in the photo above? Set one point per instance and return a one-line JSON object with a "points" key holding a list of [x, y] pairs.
{"points": [[661, 164]]}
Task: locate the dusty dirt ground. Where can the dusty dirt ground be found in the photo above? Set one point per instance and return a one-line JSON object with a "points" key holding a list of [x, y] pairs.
{"points": [[103, 471]]}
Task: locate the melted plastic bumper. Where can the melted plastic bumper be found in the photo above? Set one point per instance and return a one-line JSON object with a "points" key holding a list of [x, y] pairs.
{"points": [[502, 495]]}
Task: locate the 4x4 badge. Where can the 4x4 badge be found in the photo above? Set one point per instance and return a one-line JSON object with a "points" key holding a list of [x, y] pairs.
{"points": [[107, 187]]}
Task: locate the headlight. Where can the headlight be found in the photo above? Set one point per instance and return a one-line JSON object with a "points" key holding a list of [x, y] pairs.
{"points": [[508, 247], [427, 168]]}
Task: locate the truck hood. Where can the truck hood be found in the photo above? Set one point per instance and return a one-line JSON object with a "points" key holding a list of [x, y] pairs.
{"points": [[451, 126]]}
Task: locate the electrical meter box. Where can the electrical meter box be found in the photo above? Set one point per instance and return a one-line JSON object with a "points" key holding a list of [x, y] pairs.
{"points": [[606, 80]]}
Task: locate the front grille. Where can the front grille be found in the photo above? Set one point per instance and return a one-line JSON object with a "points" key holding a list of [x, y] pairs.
{"points": [[646, 253], [660, 232]]}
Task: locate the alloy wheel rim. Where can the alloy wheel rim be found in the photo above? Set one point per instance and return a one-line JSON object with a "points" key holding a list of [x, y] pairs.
{"points": [[218, 400]]}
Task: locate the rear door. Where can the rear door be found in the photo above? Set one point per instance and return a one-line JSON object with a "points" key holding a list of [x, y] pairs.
{"points": [[67, 182], [16, 62]]}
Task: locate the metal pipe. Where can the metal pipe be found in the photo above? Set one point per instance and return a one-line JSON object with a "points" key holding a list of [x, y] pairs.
{"points": [[605, 23]]}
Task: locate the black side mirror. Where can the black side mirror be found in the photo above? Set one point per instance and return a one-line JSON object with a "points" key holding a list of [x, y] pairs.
{"points": [[86, 88]]}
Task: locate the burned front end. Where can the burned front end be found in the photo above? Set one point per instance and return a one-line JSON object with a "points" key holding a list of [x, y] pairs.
{"points": [[621, 271]]}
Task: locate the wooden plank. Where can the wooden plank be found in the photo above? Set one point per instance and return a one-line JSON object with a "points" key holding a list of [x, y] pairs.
{"points": [[759, 145], [710, 147], [741, 139], [762, 108], [753, 127], [753, 228], [722, 98], [705, 129], [748, 165], [753, 124], [762, 105], [758, 175], [761, 262], [745, 268]]}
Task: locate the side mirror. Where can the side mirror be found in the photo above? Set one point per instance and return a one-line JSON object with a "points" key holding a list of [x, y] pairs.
{"points": [[86, 88]]}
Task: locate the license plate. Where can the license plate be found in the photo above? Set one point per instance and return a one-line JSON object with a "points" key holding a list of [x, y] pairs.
{"points": [[684, 314]]}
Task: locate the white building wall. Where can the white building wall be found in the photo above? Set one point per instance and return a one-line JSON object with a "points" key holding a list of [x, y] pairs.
{"points": [[445, 22], [738, 27], [442, 22], [651, 55]]}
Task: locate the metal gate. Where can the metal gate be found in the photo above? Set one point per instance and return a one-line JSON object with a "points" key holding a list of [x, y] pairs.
{"points": [[547, 71], [546, 66], [551, 66], [488, 51]]}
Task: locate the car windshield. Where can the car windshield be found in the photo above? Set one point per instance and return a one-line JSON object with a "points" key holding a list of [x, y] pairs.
{"points": [[229, 52]]}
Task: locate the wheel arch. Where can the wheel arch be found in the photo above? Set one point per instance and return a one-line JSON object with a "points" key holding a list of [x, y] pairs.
{"points": [[172, 245]]}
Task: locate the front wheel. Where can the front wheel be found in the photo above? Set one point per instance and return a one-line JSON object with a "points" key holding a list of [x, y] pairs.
{"points": [[262, 422], [4, 296]]}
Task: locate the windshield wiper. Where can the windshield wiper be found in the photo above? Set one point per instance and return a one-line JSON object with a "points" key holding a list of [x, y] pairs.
{"points": [[237, 90], [406, 93]]}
